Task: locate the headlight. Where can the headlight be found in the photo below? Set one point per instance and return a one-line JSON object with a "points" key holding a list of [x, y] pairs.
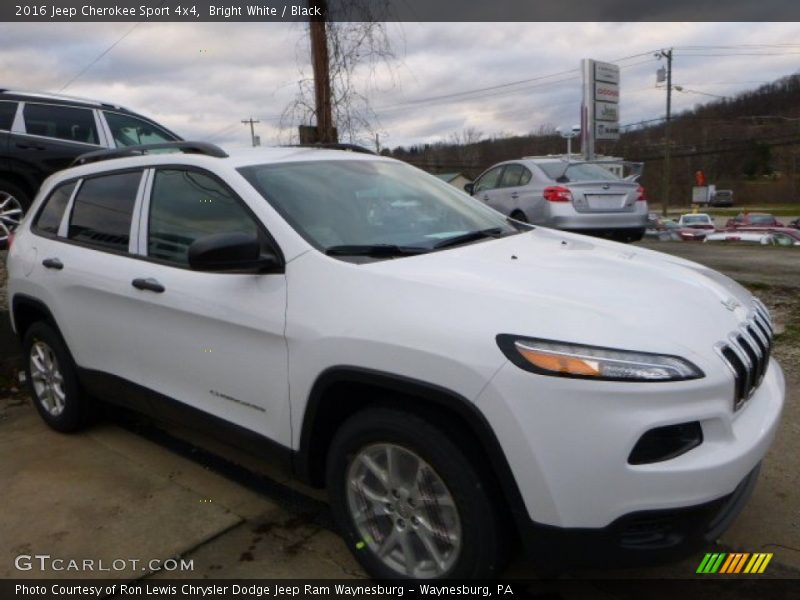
{"points": [[561, 359]]}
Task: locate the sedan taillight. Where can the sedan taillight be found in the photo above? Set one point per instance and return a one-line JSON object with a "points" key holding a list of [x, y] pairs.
{"points": [[641, 194], [557, 193]]}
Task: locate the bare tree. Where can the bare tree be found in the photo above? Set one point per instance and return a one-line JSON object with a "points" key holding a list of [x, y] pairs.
{"points": [[358, 53]]}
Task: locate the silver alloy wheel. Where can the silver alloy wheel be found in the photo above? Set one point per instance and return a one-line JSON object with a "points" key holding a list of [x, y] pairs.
{"points": [[48, 382], [11, 212], [403, 511]]}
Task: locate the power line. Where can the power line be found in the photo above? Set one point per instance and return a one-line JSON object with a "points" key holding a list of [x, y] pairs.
{"points": [[99, 56]]}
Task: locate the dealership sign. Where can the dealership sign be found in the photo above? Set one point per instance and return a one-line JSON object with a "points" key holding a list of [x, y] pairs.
{"points": [[606, 111], [600, 109]]}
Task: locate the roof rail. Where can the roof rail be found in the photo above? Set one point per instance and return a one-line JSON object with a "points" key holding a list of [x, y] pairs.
{"points": [[186, 147], [337, 146]]}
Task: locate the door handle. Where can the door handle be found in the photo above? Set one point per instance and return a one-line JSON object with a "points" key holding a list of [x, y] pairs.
{"points": [[514, 195], [29, 146], [149, 284], [53, 263], [485, 198]]}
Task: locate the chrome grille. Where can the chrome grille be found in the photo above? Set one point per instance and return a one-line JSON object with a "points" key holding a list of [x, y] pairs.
{"points": [[747, 352]]}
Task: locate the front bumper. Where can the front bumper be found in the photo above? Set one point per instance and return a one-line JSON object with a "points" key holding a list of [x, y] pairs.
{"points": [[639, 538], [568, 441]]}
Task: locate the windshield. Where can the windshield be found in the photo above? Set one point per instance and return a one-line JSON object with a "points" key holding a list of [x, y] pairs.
{"points": [[344, 204], [692, 219], [576, 172]]}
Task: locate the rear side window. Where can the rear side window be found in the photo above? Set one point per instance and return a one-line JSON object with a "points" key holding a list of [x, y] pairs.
{"points": [[50, 216], [7, 112], [101, 213], [511, 176], [187, 205], [62, 122], [130, 131]]}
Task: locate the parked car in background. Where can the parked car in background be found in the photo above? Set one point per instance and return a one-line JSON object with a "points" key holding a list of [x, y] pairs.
{"points": [[697, 221], [765, 220], [457, 380], [795, 223], [665, 230], [583, 197], [765, 237], [722, 198], [779, 233], [43, 133]]}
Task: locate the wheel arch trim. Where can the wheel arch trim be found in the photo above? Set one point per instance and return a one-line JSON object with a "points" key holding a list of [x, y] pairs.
{"points": [[439, 398]]}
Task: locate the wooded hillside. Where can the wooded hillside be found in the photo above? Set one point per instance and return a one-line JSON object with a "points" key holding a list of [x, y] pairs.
{"points": [[749, 144]]}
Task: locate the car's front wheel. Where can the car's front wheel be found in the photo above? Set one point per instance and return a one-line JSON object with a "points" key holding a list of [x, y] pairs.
{"points": [[52, 380], [408, 502]]}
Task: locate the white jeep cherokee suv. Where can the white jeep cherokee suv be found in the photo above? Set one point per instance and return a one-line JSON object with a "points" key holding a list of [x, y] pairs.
{"points": [[457, 380]]}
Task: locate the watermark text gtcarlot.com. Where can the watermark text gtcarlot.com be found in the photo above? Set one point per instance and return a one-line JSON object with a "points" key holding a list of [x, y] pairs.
{"points": [[46, 562]]}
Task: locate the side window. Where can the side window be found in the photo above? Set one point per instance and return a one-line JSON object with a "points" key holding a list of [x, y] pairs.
{"points": [[62, 122], [130, 131], [525, 178], [186, 206], [489, 181], [511, 176], [101, 213], [7, 112], [49, 217]]}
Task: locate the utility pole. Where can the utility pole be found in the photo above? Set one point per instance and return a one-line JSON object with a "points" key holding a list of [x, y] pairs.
{"points": [[251, 122], [326, 134], [665, 174]]}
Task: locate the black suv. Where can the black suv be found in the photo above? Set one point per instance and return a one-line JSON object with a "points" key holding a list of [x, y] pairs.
{"points": [[43, 133]]}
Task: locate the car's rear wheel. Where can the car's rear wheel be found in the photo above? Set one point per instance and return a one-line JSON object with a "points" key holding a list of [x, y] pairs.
{"points": [[520, 216], [408, 502], [52, 379], [14, 203]]}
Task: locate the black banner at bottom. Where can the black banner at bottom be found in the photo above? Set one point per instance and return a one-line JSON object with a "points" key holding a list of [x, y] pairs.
{"points": [[733, 588]]}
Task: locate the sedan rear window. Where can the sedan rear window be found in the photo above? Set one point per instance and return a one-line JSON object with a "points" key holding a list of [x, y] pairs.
{"points": [[762, 219], [560, 172]]}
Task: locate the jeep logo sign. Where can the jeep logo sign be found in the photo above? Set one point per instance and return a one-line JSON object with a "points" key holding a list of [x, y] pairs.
{"points": [[606, 111]]}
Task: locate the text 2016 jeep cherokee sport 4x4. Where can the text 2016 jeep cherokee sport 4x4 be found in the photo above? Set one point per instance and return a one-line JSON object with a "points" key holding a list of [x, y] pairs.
{"points": [[455, 379]]}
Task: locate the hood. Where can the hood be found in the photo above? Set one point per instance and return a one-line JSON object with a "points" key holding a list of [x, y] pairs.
{"points": [[572, 288]]}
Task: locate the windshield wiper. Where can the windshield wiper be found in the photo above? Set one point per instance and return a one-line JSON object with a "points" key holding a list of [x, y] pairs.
{"points": [[375, 250], [470, 236]]}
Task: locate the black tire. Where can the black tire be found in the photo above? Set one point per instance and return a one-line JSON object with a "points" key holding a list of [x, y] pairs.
{"points": [[482, 550], [74, 415], [520, 216], [9, 189]]}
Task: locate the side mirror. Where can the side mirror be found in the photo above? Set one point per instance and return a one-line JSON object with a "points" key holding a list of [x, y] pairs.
{"points": [[469, 188], [231, 252]]}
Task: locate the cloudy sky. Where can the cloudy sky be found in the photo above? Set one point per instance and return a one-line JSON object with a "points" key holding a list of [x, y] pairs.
{"points": [[201, 80]]}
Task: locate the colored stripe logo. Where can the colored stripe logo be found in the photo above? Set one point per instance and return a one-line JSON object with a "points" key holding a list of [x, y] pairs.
{"points": [[734, 563]]}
